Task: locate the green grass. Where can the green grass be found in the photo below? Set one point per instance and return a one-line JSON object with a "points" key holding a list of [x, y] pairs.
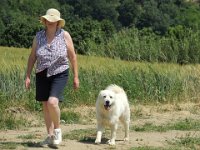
{"points": [[84, 135], [183, 125], [16, 145], [70, 117], [13, 57], [144, 82], [151, 148], [28, 136], [9, 121], [8, 145], [189, 141]]}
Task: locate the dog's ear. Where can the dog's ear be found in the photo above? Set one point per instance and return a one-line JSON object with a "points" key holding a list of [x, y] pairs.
{"points": [[101, 92], [99, 97]]}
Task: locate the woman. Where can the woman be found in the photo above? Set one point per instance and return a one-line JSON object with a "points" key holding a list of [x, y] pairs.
{"points": [[52, 50]]}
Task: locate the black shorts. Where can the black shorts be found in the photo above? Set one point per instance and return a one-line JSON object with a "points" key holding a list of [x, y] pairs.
{"points": [[52, 86]]}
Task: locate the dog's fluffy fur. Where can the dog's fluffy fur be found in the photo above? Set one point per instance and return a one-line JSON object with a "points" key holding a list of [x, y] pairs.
{"points": [[112, 106]]}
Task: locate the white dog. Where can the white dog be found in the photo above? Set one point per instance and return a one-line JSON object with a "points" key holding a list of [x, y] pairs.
{"points": [[111, 107]]}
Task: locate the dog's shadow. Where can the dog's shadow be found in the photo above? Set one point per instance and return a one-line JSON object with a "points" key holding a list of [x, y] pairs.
{"points": [[13, 145], [91, 140]]}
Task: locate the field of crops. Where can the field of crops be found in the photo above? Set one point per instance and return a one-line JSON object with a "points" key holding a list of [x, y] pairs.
{"points": [[144, 82]]}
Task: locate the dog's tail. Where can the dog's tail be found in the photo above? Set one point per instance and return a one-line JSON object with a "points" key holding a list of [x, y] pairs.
{"points": [[115, 88]]}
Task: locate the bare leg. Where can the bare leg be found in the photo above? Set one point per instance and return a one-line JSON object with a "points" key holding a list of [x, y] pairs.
{"points": [[47, 119], [54, 111]]}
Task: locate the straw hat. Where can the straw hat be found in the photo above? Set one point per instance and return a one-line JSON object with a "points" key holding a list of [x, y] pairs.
{"points": [[53, 15]]}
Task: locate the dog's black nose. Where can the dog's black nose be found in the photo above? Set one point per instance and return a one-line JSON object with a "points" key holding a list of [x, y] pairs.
{"points": [[107, 102]]}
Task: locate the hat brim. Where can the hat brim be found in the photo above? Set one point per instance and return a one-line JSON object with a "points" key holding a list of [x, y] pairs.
{"points": [[52, 19]]}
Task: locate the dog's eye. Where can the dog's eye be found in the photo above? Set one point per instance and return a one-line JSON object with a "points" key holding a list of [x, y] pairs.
{"points": [[104, 96], [111, 97]]}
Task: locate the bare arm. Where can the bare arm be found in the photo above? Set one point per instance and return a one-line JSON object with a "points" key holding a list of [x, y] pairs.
{"points": [[72, 58], [31, 62]]}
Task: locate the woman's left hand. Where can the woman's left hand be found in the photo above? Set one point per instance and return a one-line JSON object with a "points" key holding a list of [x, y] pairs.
{"points": [[76, 83]]}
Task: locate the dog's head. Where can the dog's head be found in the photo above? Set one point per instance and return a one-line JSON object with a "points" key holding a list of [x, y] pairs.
{"points": [[107, 99]]}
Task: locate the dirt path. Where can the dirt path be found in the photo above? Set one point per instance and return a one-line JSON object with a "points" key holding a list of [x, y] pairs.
{"points": [[154, 139], [156, 115]]}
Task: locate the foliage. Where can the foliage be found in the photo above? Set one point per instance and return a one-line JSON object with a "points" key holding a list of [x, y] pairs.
{"points": [[129, 12], [86, 30], [151, 30]]}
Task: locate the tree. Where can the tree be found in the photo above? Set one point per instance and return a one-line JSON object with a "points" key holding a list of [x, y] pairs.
{"points": [[129, 12], [20, 33], [153, 17], [108, 28], [189, 16]]}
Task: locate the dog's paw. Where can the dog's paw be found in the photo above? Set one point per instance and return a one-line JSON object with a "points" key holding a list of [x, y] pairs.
{"points": [[97, 141], [111, 142], [126, 139]]}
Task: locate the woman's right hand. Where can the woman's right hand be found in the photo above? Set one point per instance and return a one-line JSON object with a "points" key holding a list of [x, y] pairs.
{"points": [[27, 83]]}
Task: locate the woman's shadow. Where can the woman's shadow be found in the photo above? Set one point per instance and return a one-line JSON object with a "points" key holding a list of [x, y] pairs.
{"points": [[25, 144]]}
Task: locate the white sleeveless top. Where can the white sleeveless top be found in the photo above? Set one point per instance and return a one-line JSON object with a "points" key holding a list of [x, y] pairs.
{"points": [[52, 57]]}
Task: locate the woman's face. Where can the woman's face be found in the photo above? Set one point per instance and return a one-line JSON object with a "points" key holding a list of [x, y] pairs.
{"points": [[51, 24]]}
